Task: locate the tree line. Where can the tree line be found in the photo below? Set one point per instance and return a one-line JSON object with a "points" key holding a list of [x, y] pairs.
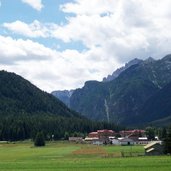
{"points": [[14, 128]]}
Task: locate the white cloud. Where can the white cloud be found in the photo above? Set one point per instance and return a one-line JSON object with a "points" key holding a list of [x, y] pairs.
{"points": [[50, 69], [13, 50], [33, 30], [94, 7], [123, 29], [114, 31], [36, 4]]}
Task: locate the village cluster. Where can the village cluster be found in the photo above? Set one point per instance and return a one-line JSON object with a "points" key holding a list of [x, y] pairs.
{"points": [[128, 137]]}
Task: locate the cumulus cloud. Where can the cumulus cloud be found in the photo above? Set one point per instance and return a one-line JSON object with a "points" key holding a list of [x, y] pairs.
{"points": [[14, 50], [112, 31], [125, 29], [36, 4], [95, 7], [47, 68], [33, 30]]}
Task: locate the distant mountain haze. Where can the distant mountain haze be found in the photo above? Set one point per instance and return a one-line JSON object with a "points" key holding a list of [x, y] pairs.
{"points": [[64, 96]]}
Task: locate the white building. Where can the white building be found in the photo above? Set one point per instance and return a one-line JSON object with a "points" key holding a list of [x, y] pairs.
{"points": [[115, 142], [127, 141]]}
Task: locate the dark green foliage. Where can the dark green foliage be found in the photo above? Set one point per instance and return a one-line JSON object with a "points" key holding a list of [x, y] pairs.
{"points": [[66, 136], [161, 133], [18, 96], [126, 97], [13, 128], [150, 133], [164, 134], [39, 140], [167, 142]]}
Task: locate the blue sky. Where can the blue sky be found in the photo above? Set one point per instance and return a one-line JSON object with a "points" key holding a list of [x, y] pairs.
{"points": [[60, 44], [17, 10], [50, 13]]}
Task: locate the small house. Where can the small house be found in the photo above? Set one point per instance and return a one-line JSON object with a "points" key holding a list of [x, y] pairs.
{"points": [[115, 142], [75, 139], [93, 135], [154, 148], [97, 142], [126, 141], [102, 136], [142, 140]]}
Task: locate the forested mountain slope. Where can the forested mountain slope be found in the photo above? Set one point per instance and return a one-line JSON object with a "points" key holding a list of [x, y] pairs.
{"points": [[26, 110]]}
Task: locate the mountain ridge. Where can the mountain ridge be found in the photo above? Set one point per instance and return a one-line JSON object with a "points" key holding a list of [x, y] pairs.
{"points": [[118, 71], [120, 99]]}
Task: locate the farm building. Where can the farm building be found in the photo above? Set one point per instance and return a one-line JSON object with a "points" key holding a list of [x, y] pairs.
{"points": [[93, 135], [154, 148], [115, 142], [126, 141], [135, 132], [75, 139], [95, 141], [102, 135], [142, 140]]}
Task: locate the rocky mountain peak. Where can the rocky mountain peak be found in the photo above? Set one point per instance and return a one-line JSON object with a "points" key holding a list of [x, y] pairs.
{"points": [[116, 73]]}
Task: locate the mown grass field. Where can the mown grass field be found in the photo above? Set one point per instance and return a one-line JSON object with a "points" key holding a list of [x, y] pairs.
{"points": [[77, 157]]}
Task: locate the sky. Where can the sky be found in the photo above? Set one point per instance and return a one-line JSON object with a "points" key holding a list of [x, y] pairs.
{"points": [[60, 44]]}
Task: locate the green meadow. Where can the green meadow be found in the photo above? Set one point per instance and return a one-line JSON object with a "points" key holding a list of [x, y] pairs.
{"points": [[78, 157]]}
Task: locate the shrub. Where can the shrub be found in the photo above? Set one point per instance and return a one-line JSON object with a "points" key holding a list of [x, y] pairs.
{"points": [[39, 140]]}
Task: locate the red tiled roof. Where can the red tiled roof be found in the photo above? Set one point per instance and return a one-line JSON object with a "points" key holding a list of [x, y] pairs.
{"points": [[105, 130], [93, 133], [132, 131]]}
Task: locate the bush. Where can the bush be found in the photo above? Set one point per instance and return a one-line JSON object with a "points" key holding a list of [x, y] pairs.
{"points": [[39, 140]]}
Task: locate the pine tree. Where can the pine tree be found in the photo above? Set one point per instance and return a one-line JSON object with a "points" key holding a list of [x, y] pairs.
{"points": [[167, 142], [66, 136], [164, 133], [150, 132], [39, 140]]}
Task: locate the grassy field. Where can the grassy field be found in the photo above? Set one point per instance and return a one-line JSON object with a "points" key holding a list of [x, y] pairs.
{"points": [[77, 157]]}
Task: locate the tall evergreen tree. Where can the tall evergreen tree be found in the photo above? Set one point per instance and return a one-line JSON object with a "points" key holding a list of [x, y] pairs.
{"points": [[39, 140], [150, 132], [167, 142]]}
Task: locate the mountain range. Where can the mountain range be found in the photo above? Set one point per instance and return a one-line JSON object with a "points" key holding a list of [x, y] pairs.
{"points": [[135, 94]]}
